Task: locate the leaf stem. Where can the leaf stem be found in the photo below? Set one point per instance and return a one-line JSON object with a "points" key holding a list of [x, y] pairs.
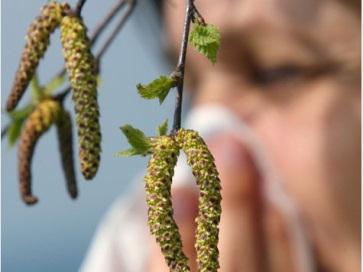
{"points": [[180, 69]]}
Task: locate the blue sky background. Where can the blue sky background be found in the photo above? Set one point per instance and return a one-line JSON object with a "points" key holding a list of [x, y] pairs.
{"points": [[54, 235]]}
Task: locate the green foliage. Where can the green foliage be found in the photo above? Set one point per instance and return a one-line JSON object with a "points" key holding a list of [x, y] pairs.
{"points": [[163, 128], [17, 120], [14, 131], [22, 113], [158, 88], [37, 89], [54, 84], [206, 40], [39, 92], [140, 144]]}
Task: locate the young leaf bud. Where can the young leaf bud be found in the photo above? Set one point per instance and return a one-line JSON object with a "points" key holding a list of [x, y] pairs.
{"points": [[202, 163], [65, 141], [80, 65], [37, 41], [158, 180], [39, 121]]}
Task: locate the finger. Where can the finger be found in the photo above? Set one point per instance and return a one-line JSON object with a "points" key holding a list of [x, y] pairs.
{"points": [[240, 242], [280, 253]]}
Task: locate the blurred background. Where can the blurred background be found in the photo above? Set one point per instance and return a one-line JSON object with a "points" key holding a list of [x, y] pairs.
{"points": [[54, 235]]}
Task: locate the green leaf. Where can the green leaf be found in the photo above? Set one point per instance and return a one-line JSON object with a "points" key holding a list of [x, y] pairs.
{"points": [[139, 142], [206, 40], [22, 113], [14, 131], [99, 80], [54, 84], [163, 128], [17, 119], [127, 153], [37, 89], [158, 88]]}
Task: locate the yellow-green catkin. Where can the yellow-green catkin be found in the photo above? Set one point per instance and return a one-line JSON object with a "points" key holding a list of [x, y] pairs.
{"points": [[65, 142], [202, 163], [39, 121], [80, 65], [37, 41], [158, 181]]}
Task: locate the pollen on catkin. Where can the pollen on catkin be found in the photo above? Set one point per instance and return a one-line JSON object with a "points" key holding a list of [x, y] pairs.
{"points": [[39, 121], [37, 41], [65, 142], [158, 181], [202, 163], [80, 65]]}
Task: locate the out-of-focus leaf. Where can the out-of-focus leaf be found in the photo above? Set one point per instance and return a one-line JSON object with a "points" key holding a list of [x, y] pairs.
{"points": [[14, 130], [37, 90], [22, 113], [127, 153], [163, 128], [54, 84]]}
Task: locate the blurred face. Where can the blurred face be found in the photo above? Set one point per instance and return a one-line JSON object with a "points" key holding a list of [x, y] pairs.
{"points": [[290, 69]]}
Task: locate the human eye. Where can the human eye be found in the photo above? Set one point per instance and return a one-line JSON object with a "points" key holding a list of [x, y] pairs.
{"points": [[278, 74]]}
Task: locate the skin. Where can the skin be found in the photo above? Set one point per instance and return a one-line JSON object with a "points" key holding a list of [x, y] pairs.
{"points": [[289, 69]]}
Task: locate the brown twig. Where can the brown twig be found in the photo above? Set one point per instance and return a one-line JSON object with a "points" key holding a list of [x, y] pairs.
{"points": [[105, 21], [198, 16], [4, 131], [79, 7], [179, 71], [63, 94], [131, 6]]}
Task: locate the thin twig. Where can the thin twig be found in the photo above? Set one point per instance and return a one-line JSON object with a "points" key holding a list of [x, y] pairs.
{"points": [[198, 16], [131, 6], [63, 94], [105, 21], [181, 66], [79, 7], [4, 131]]}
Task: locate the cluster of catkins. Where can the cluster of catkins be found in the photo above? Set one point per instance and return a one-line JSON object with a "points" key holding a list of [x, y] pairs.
{"points": [[80, 66], [165, 150], [45, 114]]}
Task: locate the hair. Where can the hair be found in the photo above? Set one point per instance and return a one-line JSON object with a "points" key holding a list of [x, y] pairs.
{"points": [[158, 5]]}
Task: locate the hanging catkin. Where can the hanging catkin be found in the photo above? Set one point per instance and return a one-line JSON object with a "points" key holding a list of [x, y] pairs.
{"points": [[37, 41], [202, 163], [65, 141], [158, 195], [80, 65], [39, 121]]}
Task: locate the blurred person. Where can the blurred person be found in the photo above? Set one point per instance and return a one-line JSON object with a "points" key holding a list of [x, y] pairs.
{"points": [[286, 91]]}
